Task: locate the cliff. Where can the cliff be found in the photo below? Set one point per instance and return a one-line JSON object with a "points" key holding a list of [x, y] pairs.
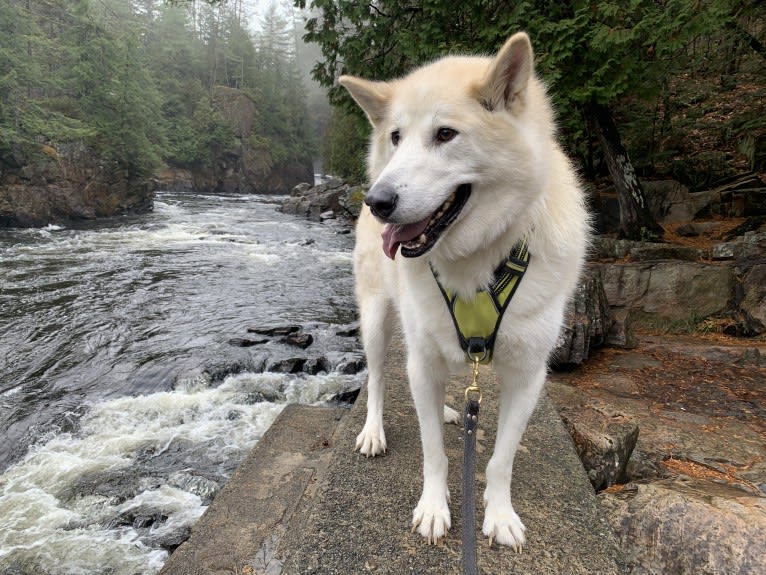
{"points": [[40, 185]]}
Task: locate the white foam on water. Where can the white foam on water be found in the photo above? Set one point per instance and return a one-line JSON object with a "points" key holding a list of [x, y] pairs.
{"points": [[47, 525]]}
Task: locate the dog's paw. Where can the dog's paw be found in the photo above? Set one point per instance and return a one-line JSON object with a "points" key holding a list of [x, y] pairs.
{"points": [[372, 440], [451, 416], [504, 526], [431, 519]]}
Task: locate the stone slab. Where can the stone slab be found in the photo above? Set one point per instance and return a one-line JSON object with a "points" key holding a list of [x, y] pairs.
{"points": [[242, 527], [360, 520]]}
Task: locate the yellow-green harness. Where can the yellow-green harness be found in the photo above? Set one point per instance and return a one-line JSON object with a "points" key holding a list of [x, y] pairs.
{"points": [[477, 320]]}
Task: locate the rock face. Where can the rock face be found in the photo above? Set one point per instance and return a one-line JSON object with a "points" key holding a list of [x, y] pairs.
{"points": [[719, 534], [586, 322], [40, 185], [248, 168], [669, 289]]}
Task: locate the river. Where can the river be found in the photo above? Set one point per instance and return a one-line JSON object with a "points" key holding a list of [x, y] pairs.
{"points": [[127, 396]]}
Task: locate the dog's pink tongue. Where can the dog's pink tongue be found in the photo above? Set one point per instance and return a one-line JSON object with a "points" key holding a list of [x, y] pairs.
{"points": [[393, 235]]}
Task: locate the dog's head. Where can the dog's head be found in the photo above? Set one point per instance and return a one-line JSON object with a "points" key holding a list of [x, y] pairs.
{"points": [[458, 150]]}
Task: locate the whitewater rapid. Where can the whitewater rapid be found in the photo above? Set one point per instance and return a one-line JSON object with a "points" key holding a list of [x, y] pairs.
{"points": [[116, 433]]}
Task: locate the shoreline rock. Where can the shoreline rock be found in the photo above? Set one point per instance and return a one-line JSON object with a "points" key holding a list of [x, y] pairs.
{"points": [[42, 185], [328, 201]]}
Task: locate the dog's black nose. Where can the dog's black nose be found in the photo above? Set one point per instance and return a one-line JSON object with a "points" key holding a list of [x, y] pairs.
{"points": [[382, 202]]}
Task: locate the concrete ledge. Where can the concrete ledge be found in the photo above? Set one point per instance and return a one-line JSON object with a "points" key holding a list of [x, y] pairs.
{"points": [[242, 527], [360, 520]]}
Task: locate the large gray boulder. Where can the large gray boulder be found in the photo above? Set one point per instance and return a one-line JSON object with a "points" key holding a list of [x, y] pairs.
{"points": [[669, 289], [689, 526], [316, 202]]}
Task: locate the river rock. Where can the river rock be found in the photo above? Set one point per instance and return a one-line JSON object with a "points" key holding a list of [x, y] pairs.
{"points": [[317, 365], [351, 364], [170, 540], [350, 330], [687, 527], [603, 443], [333, 196], [274, 330], [347, 396], [246, 342], [301, 340], [586, 322], [203, 487], [287, 365]]}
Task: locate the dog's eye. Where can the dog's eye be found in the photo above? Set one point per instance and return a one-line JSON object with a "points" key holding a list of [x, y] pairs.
{"points": [[444, 135], [395, 137]]}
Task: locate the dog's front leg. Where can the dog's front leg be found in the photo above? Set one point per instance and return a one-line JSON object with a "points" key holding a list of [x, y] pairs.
{"points": [[376, 335], [521, 389], [431, 517]]}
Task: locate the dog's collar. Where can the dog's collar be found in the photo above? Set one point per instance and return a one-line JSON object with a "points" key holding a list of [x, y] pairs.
{"points": [[477, 321]]}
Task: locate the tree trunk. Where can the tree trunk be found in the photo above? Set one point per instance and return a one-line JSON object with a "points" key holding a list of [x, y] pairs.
{"points": [[636, 219]]}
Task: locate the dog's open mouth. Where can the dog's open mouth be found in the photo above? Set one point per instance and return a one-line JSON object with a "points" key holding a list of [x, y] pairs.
{"points": [[419, 237]]}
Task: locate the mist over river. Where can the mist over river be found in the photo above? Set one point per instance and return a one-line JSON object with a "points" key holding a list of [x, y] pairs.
{"points": [[125, 402]]}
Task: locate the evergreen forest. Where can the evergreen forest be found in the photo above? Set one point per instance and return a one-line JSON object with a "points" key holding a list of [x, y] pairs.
{"points": [[149, 84]]}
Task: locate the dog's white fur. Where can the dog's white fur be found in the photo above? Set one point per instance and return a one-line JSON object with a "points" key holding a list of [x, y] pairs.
{"points": [[522, 184]]}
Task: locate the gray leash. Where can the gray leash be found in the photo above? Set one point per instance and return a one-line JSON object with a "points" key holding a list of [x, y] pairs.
{"points": [[468, 505], [470, 424]]}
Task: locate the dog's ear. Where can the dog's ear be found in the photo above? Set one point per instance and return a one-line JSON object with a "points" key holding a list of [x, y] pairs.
{"points": [[372, 97], [508, 75]]}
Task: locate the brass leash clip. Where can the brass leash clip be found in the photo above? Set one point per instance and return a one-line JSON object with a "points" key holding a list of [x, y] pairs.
{"points": [[474, 387]]}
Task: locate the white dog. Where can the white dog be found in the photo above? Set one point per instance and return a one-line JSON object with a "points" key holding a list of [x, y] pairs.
{"points": [[464, 164]]}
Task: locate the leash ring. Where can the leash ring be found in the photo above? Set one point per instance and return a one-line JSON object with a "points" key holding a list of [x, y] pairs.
{"points": [[477, 358]]}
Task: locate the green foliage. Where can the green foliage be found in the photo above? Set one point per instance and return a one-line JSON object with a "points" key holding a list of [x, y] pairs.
{"points": [[345, 144], [135, 81], [609, 52]]}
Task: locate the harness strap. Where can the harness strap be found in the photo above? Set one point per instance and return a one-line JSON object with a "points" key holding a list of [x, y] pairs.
{"points": [[477, 321]]}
